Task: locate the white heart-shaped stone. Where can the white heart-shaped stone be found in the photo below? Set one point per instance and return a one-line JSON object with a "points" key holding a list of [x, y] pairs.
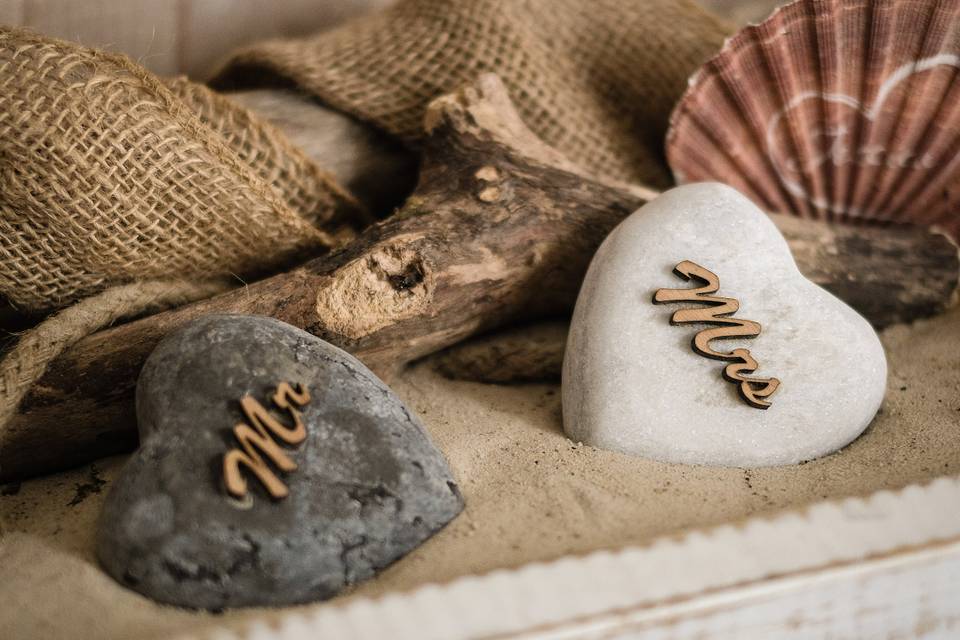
{"points": [[632, 382]]}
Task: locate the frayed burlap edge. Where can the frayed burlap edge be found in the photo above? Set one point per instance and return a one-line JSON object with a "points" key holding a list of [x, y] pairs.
{"points": [[39, 346]]}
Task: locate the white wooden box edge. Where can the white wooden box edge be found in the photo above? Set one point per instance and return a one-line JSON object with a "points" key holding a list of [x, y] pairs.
{"points": [[887, 565]]}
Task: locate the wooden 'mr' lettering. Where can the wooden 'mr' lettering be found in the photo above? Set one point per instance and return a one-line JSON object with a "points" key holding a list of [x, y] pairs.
{"points": [[718, 311], [256, 440]]}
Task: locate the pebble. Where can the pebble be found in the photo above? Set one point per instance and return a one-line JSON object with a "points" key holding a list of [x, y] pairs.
{"points": [[632, 383], [368, 487]]}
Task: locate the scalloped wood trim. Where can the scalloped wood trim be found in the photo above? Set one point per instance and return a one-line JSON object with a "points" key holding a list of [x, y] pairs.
{"points": [[889, 564]]}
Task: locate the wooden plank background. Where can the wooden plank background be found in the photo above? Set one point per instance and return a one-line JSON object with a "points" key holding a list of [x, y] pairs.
{"points": [[191, 36], [178, 36]]}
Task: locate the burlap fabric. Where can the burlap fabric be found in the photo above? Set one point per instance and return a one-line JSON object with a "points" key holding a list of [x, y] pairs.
{"points": [[134, 193], [110, 175], [596, 79]]}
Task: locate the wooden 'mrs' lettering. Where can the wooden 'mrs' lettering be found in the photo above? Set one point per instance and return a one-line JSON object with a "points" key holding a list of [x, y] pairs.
{"points": [[754, 391], [256, 442]]}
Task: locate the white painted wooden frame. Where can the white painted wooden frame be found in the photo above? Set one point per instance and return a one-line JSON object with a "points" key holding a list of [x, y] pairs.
{"points": [[887, 566]]}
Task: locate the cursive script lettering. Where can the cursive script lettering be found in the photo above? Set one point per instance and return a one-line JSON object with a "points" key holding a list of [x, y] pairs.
{"points": [[255, 440], [719, 310]]}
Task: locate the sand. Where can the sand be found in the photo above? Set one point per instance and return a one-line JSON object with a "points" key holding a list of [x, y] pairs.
{"points": [[532, 495]]}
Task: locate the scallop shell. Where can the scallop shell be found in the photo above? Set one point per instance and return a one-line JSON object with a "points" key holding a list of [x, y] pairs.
{"points": [[843, 109]]}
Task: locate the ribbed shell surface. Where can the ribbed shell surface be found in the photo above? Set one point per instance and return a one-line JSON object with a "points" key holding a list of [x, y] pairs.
{"points": [[842, 109]]}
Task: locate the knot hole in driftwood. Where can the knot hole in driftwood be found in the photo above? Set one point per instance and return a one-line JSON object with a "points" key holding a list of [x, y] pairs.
{"points": [[488, 184], [391, 283], [402, 267], [408, 278]]}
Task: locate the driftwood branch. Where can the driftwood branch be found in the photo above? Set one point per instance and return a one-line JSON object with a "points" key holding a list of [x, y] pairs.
{"points": [[500, 229]]}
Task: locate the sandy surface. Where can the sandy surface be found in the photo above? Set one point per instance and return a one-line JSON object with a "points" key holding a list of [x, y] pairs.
{"points": [[531, 493]]}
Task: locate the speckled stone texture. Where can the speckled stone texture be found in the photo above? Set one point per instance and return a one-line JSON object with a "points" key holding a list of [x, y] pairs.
{"points": [[632, 383], [369, 487]]}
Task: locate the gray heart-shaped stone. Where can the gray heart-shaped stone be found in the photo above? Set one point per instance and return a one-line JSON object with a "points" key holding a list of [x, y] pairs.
{"points": [[368, 486]]}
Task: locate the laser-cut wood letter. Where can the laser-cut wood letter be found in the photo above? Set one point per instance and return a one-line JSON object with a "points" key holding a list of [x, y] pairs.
{"points": [[256, 440], [754, 391]]}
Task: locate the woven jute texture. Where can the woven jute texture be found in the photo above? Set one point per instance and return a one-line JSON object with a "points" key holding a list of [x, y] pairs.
{"points": [[596, 79], [109, 176], [130, 194]]}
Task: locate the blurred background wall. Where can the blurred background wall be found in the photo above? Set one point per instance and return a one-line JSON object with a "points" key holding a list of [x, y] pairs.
{"points": [[178, 36], [191, 36]]}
